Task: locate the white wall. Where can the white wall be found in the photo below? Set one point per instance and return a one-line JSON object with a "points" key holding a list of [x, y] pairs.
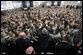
{"points": [[37, 3], [74, 3], [6, 5], [17, 4]]}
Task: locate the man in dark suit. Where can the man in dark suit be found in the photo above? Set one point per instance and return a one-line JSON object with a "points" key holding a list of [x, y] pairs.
{"points": [[22, 43], [63, 47], [43, 42]]}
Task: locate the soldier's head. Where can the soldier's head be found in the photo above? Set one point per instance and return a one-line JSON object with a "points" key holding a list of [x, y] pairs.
{"points": [[1, 34], [56, 31], [67, 28], [27, 31], [64, 37], [51, 24], [17, 33], [30, 21], [5, 25], [80, 28], [10, 33]]}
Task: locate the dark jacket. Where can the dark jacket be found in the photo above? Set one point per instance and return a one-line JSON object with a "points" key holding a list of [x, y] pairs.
{"points": [[63, 48], [22, 45], [43, 42]]}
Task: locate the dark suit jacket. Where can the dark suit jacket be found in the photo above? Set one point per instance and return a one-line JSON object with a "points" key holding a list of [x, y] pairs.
{"points": [[63, 48], [22, 45], [77, 38], [43, 42]]}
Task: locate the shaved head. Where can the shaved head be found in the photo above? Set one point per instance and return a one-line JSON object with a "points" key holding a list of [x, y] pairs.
{"points": [[29, 50], [22, 35]]}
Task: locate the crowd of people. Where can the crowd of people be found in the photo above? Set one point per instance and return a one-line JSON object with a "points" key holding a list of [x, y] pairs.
{"points": [[42, 30]]}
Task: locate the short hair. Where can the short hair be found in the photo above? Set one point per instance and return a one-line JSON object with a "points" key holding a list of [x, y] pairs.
{"points": [[44, 31], [65, 37], [56, 31], [74, 27]]}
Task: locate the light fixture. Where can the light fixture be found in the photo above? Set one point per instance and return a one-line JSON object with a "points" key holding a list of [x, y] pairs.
{"points": [[62, 1], [78, 1]]}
